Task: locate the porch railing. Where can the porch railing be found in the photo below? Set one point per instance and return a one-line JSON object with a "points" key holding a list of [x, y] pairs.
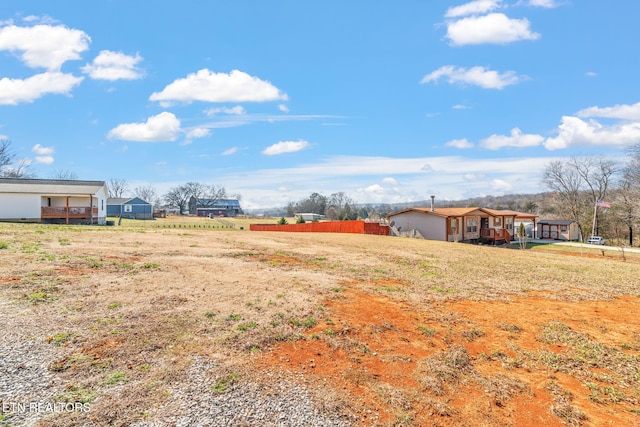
{"points": [[495, 234], [63, 212]]}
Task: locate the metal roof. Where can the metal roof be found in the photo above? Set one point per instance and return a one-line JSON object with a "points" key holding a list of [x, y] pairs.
{"points": [[50, 186], [212, 203], [457, 212], [556, 222], [126, 201]]}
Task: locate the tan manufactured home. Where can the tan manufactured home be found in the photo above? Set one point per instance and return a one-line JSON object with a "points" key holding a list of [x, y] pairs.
{"points": [[457, 224]]}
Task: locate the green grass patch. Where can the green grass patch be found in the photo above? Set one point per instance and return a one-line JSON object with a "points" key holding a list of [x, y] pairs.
{"points": [[76, 394], [59, 338], [117, 377], [222, 385]]}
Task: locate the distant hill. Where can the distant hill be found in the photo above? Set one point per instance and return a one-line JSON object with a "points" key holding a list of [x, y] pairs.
{"points": [[518, 202]]}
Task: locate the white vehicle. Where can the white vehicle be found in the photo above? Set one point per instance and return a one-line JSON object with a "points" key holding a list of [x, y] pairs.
{"points": [[595, 240]]}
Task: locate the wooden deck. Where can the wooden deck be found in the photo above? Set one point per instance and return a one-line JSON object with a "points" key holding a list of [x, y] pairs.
{"points": [[495, 234], [67, 213]]}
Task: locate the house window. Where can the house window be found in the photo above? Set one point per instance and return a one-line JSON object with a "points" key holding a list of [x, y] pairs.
{"points": [[472, 225], [508, 223], [128, 208], [563, 228], [498, 222], [102, 205]]}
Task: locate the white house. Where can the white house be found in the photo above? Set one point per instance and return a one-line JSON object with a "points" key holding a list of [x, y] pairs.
{"points": [[309, 216], [53, 201]]}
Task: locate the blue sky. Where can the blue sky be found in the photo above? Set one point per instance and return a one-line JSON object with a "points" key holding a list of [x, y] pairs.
{"points": [[385, 101]]}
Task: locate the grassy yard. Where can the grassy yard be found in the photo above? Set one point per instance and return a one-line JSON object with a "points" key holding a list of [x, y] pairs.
{"points": [[381, 331]]}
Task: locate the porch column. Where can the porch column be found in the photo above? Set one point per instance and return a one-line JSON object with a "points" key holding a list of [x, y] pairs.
{"points": [[67, 209], [91, 209]]}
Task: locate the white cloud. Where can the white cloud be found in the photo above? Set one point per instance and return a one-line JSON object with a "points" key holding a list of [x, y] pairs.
{"points": [[42, 151], [500, 186], [591, 74], [44, 46], [473, 8], [39, 19], [45, 160], [461, 107], [390, 180], [110, 65], [285, 147], [16, 91], [375, 188], [620, 111], [198, 133], [230, 151], [477, 75], [44, 155], [283, 108], [237, 110], [516, 139], [576, 132], [162, 127], [494, 28], [459, 143], [209, 86], [549, 4]]}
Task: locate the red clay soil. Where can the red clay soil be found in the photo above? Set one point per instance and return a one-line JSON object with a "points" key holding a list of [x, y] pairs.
{"points": [[371, 347]]}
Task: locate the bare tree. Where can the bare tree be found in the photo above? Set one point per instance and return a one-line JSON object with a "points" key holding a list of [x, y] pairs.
{"points": [[625, 208], [6, 156], [343, 205], [146, 193], [117, 187], [577, 184], [179, 197], [63, 174], [213, 194], [9, 166]]}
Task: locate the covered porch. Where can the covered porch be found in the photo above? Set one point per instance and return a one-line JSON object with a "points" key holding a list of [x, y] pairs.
{"points": [[69, 209]]}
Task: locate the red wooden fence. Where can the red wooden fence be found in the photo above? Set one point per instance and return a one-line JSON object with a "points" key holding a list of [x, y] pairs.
{"points": [[354, 227]]}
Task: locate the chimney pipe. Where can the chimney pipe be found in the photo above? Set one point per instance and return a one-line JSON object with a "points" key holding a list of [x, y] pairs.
{"points": [[433, 208]]}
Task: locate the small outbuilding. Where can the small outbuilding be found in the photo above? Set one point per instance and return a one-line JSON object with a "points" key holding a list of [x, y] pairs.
{"points": [[309, 216], [559, 229], [133, 208]]}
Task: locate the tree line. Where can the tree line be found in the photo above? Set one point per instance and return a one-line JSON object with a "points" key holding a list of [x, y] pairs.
{"points": [[337, 206], [177, 197], [578, 183]]}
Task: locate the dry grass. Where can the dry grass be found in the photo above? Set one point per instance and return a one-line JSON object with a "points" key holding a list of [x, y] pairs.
{"points": [[132, 307]]}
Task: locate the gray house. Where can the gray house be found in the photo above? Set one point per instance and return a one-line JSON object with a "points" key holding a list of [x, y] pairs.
{"points": [[214, 207], [133, 208]]}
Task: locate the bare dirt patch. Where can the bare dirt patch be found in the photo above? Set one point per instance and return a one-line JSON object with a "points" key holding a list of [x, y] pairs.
{"points": [[145, 323]]}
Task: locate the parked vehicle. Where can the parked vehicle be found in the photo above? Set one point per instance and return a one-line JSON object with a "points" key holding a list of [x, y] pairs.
{"points": [[595, 240]]}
